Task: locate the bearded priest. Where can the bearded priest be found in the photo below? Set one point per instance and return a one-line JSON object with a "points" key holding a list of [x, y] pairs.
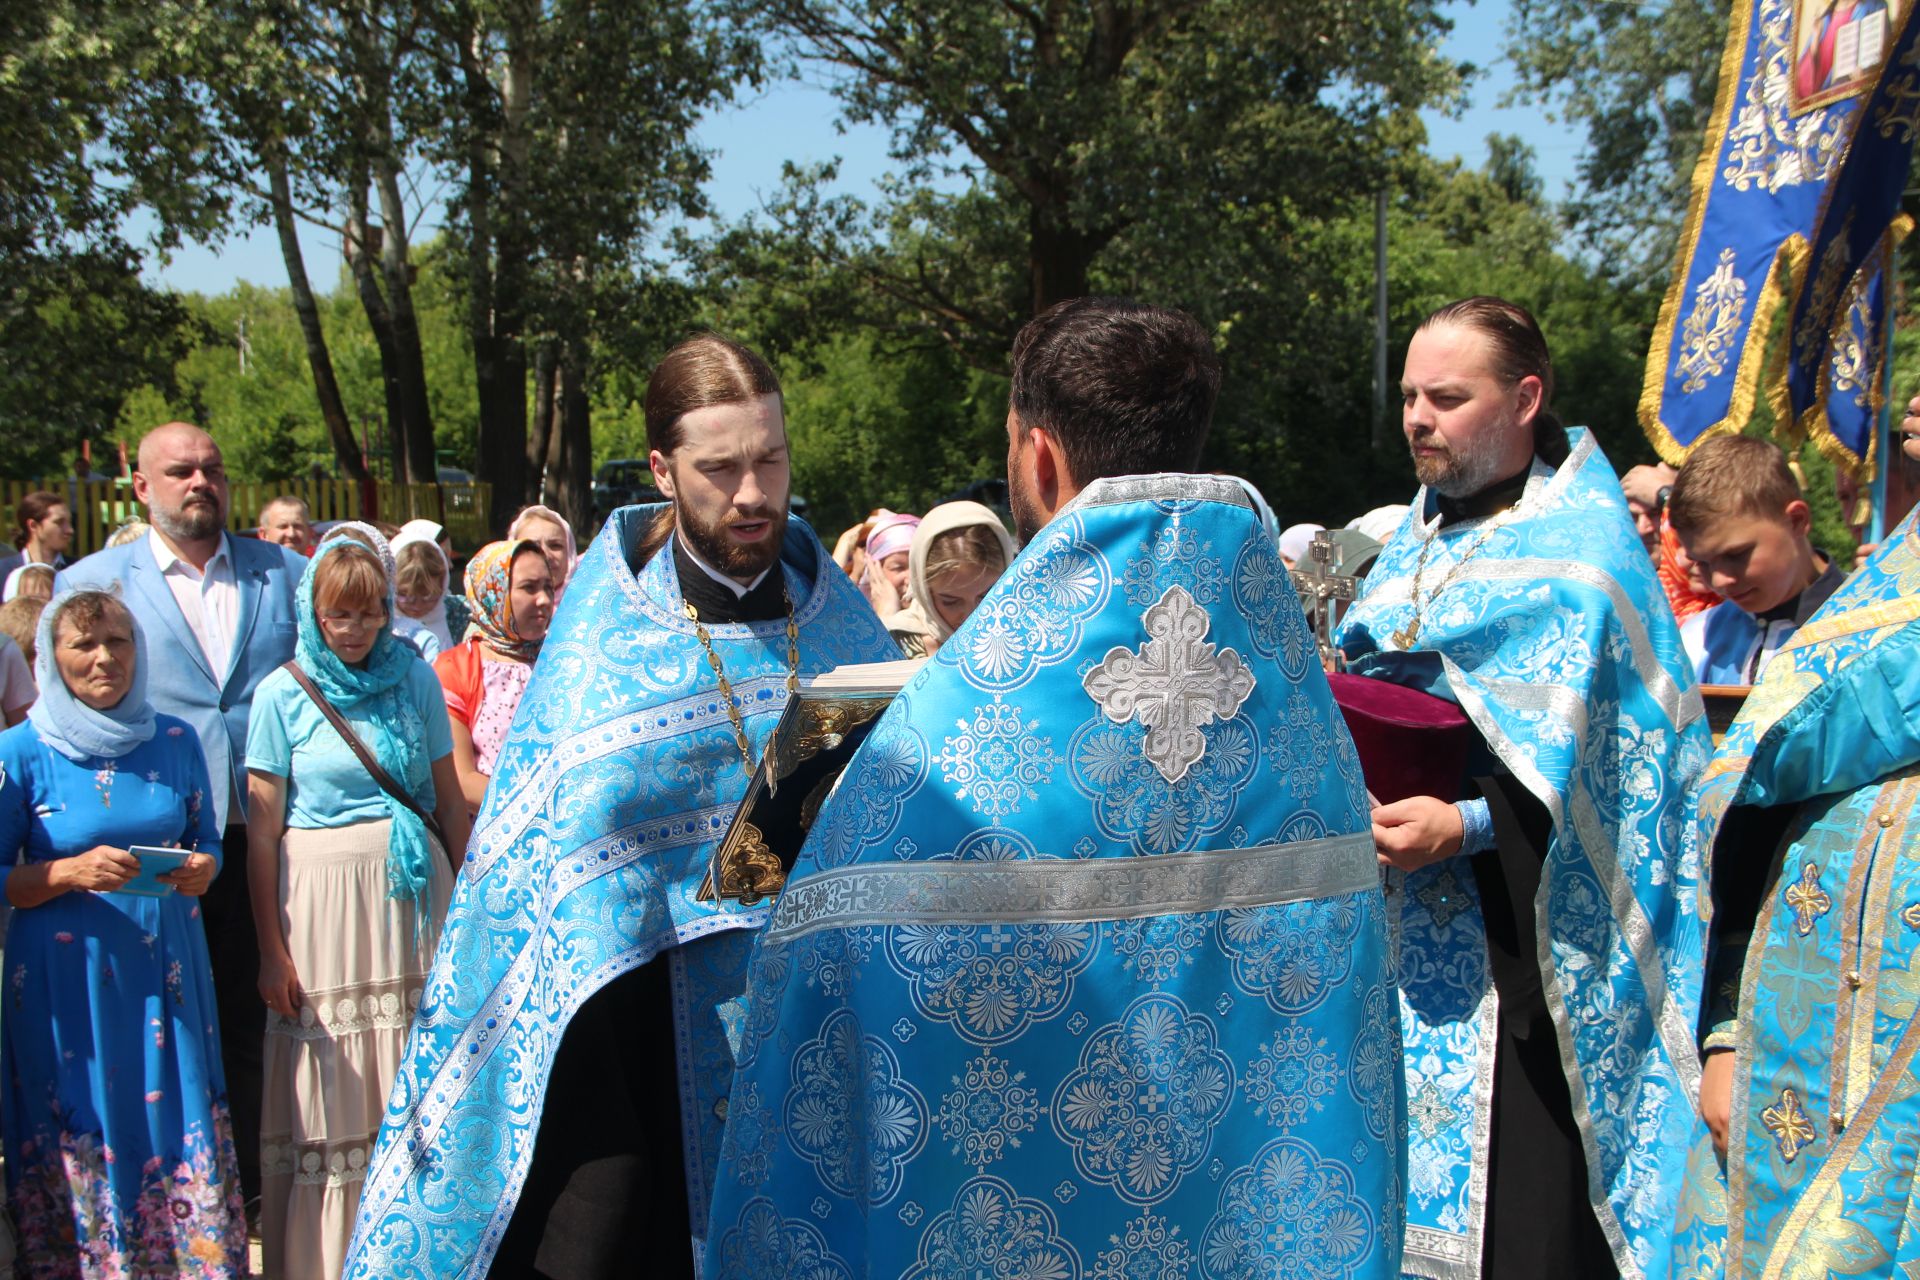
{"points": [[1550, 955], [1082, 970], [559, 1110]]}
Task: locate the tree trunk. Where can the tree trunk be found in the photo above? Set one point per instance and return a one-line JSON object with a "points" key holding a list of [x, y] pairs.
{"points": [[549, 471], [416, 411], [546, 365], [326, 387], [494, 308], [359, 255], [574, 498], [1058, 258]]}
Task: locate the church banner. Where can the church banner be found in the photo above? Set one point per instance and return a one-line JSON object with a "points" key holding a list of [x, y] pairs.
{"points": [[1797, 80]]}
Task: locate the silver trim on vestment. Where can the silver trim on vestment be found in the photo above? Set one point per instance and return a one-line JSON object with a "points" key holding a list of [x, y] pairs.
{"points": [[1523, 769], [1457, 1255], [1057, 890], [1164, 486], [534, 789], [1603, 857], [1680, 710]]}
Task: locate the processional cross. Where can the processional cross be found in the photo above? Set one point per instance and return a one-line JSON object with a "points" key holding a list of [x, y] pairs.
{"points": [[1321, 585]]}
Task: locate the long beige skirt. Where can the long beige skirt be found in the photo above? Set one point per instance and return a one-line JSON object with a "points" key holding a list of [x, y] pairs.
{"points": [[363, 959]]}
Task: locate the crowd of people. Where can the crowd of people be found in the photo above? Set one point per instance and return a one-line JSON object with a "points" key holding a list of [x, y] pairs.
{"points": [[198, 1050], [343, 918]]}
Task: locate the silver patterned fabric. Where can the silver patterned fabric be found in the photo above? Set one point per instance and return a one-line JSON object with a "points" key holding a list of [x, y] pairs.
{"points": [[1555, 639], [1082, 972], [618, 777]]}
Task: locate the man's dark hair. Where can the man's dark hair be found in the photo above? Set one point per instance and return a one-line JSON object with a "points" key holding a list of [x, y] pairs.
{"points": [[1124, 388]]}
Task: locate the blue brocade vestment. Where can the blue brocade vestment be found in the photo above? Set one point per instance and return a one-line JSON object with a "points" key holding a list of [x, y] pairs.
{"points": [[1546, 624], [618, 777], [1082, 972], [1825, 1121]]}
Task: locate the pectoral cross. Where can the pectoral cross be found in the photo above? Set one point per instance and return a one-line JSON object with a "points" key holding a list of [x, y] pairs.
{"points": [[1320, 583]]}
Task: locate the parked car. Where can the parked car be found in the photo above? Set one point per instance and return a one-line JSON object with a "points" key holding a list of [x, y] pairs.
{"points": [[991, 492], [622, 482]]}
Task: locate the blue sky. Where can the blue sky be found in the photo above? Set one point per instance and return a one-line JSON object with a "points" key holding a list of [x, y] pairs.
{"points": [[796, 122]]}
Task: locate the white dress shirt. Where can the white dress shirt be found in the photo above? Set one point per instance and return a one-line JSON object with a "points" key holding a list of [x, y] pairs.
{"points": [[209, 600]]}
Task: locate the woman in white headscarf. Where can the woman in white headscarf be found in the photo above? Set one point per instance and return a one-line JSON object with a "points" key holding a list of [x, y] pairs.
{"points": [[422, 573], [29, 581], [959, 551]]}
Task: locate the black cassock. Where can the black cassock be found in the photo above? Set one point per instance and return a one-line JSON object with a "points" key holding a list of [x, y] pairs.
{"points": [[1540, 1219]]}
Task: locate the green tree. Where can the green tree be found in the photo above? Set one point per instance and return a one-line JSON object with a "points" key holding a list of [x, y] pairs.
{"points": [[80, 332], [1080, 125], [91, 129], [567, 128], [1638, 80]]}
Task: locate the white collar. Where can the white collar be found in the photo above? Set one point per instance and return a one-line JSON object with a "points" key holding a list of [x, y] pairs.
{"points": [[739, 592], [164, 557]]}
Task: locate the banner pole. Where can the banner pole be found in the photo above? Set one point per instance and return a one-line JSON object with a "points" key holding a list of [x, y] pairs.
{"points": [[1885, 447]]}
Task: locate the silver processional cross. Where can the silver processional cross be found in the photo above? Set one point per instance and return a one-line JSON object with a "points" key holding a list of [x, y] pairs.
{"points": [[1321, 584]]}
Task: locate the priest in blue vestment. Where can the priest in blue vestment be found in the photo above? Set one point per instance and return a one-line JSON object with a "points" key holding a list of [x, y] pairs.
{"points": [[1811, 1081], [1082, 971], [559, 1111], [1549, 950]]}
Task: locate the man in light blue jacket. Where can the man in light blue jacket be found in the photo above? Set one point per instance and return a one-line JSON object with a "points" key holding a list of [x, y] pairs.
{"points": [[219, 617]]}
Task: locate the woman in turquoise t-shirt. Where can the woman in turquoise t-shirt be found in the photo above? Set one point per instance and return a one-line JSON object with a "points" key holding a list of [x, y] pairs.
{"points": [[349, 889]]}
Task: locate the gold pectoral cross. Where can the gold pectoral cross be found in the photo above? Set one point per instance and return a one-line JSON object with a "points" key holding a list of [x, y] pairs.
{"points": [[1406, 635]]}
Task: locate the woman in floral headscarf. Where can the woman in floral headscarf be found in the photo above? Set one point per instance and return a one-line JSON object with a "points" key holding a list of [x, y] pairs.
{"points": [[349, 884], [510, 594]]}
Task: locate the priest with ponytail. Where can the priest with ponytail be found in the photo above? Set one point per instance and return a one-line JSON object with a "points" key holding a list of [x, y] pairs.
{"points": [[1549, 953], [560, 1109]]}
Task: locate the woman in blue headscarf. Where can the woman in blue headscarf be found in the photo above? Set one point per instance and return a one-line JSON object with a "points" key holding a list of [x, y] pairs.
{"points": [[349, 887], [119, 1153]]}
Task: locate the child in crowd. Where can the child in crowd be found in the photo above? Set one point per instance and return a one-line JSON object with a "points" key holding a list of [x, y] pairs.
{"points": [[20, 622], [1742, 522], [421, 570], [958, 552]]}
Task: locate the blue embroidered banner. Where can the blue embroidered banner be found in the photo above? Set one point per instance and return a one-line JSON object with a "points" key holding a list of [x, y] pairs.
{"points": [[1835, 333], [1774, 192]]}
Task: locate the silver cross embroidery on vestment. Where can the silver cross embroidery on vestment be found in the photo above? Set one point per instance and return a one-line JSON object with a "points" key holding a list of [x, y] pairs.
{"points": [[1175, 685]]}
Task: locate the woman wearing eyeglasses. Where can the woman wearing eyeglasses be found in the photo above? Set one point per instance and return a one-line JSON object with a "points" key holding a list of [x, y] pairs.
{"points": [[350, 881]]}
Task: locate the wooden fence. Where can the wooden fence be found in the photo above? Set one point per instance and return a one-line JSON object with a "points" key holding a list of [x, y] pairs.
{"points": [[99, 507]]}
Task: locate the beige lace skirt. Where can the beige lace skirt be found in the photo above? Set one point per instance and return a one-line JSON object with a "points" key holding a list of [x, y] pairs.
{"points": [[362, 959]]}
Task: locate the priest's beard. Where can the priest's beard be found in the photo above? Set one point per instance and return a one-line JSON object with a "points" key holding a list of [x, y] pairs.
{"points": [[1459, 473], [736, 560], [1027, 520]]}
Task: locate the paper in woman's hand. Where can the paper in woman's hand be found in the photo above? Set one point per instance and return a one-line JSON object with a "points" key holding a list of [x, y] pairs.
{"points": [[154, 863]]}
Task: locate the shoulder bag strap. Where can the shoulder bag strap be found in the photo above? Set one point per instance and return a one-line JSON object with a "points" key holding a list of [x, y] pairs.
{"points": [[359, 748]]}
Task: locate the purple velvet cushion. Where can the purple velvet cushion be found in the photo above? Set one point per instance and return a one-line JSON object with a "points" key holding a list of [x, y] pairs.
{"points": [[1410, 743]]}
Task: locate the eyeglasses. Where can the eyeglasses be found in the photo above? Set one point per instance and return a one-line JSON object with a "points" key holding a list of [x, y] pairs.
{"points": [[353, 621]]}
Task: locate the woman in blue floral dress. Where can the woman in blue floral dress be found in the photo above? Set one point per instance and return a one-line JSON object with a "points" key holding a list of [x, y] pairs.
{"points": [[119, 1155]]}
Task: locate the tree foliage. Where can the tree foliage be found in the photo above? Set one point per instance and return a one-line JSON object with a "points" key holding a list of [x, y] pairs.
{"points": [[1080, 125], [1639, 81], [79, 332]]}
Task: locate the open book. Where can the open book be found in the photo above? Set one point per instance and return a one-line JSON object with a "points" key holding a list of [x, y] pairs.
{"points": [[818, 733]]}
